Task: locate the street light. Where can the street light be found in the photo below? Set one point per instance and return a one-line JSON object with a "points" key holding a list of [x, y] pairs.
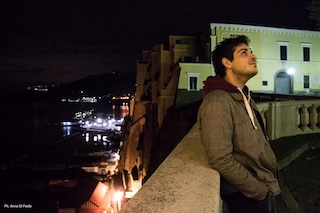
{"points": [[291, 71], [117, 198]]}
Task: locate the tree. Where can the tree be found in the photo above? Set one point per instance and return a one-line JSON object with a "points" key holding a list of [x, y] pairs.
{"points": [[314, 9]]}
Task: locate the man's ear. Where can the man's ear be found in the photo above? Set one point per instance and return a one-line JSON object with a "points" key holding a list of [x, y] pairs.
{"points": [[226, 62]]}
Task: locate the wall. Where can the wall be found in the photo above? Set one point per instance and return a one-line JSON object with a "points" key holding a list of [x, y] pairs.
{"points": [[203, 69]]}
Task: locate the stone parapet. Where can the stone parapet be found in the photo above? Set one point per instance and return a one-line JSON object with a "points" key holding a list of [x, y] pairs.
{"points": [[290, 118], [184, 182]]}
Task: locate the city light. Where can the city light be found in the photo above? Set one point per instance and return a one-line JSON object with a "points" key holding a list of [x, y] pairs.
{"points": [[103, 124], [117, 197]]}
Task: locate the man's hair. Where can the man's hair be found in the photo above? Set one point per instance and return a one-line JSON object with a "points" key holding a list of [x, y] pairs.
{"points": [[225, 49]]}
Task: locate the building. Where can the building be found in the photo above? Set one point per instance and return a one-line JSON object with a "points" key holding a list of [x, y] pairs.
{"points": [[160, 69], [288, 60]]}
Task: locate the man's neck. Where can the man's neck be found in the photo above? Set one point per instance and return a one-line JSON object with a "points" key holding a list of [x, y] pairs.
{"points": [[235, 81]]}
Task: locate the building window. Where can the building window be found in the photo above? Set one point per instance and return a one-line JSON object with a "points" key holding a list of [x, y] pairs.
{"points": [[186, 59], [306, 51], [306, 81], [283, 53], [193, 81], [283, 49]]}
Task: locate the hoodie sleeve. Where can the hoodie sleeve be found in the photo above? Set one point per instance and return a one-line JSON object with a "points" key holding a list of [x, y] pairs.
{"points": [[217, 132]]}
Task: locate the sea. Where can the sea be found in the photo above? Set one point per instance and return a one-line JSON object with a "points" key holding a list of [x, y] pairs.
{"points": [[28, 125]]}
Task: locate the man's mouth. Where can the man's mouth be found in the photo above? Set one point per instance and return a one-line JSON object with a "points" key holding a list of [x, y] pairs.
{"points": [[253, 63]]}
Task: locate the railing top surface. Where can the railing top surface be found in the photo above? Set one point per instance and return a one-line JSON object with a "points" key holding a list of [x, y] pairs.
{"points": [[181, 182]]}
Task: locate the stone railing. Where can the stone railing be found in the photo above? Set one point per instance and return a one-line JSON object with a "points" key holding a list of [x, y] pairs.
{"points": [[289, 118], [184, 182]]}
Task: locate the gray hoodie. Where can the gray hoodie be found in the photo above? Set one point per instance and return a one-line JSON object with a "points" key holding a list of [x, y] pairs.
{"points": [[234, 137]]}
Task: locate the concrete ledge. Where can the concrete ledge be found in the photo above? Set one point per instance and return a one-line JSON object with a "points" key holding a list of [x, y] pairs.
{"points": [[184, 182]]}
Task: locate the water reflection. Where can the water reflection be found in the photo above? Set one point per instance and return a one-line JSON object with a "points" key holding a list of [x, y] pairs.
{"points": [[120, 111], [66, 131], [103, 140], [96, 121]]}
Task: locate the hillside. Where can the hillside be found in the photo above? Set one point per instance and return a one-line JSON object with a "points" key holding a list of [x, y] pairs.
{"points": [[95, 85], [114, 83]]}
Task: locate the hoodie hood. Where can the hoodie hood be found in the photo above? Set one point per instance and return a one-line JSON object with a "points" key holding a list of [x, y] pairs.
{"points": [[218, 83]]}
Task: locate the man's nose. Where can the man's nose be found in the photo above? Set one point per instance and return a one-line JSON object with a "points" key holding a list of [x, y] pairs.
{"points": [[253, 56]]}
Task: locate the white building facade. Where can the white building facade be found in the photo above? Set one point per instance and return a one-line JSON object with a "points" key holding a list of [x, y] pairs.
{"points": [[288, 59]]}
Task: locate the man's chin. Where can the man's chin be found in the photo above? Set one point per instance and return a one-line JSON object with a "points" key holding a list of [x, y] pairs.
{"points": [[253, 74]]}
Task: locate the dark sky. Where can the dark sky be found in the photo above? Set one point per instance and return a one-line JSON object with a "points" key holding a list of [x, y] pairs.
{"points": [[58, 41]]}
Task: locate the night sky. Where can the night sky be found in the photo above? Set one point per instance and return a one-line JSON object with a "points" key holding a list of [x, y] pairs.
{"points": [[47, 41]]}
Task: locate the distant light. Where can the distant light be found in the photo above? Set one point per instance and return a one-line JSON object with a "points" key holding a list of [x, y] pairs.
{"points": [[117, 197], [291, 71], [87, 137]]}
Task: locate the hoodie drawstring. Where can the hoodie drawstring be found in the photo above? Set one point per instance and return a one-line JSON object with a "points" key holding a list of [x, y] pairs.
{"points": [[248, 107]]}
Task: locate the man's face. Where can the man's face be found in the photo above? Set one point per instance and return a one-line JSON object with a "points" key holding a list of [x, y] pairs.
{"points": [[244, 62]]}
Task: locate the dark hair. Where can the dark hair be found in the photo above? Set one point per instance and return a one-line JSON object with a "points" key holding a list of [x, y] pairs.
{"points": [[225, 49]]}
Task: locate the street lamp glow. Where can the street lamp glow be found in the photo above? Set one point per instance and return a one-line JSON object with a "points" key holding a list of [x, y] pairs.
{"points": [[291, 71], [117, 198]]}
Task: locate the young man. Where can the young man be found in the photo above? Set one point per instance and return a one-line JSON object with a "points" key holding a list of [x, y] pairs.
{"points": [[233, 133]]}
